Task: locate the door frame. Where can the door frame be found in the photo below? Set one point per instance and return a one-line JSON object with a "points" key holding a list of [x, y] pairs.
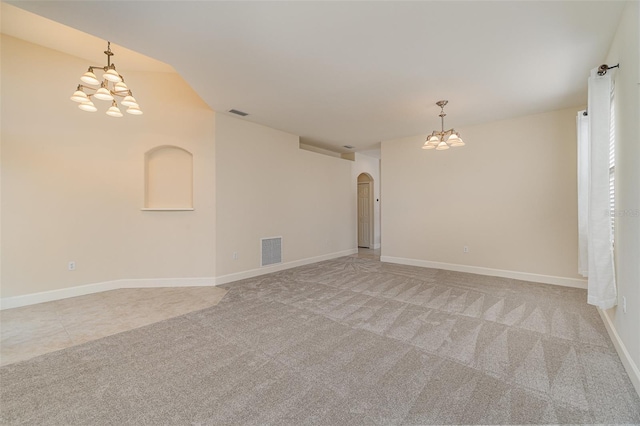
{"points": [[372, 238]]}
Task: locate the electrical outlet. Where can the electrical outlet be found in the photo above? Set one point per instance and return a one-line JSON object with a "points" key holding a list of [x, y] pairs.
{"points": [[72, 266], [235, 255], [465, 249], [624, 305]]}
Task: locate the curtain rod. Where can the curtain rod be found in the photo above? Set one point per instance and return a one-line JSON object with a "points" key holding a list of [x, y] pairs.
{"points": [[602, 69]]}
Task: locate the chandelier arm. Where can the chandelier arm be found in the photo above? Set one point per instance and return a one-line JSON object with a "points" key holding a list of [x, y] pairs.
{"points": [[113, 93]]}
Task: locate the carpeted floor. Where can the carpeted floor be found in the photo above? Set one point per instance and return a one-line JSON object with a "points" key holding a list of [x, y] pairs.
{"points": [[343, 342]]}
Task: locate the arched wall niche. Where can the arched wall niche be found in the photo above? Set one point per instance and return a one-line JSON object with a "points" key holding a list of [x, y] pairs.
{"points": [[168, 172]]}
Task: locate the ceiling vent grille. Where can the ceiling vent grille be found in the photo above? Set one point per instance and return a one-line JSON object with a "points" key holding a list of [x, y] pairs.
{"points": [[271, 251], [348, 146], [236, 112]]}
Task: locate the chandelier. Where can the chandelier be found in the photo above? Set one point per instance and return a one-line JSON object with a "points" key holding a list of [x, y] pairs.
{"points": [[443, 139], [112, 86]]}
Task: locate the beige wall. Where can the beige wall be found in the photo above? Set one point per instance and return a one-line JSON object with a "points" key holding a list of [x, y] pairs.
{"points": [[509, 195], [73, 182], [625, 50], [267, 187]]}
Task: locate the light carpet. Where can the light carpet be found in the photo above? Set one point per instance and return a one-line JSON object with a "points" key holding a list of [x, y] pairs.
{"points": [[343, 342]]}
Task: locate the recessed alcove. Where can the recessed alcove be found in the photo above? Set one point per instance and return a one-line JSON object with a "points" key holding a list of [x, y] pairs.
{"points": [[168, 179]]}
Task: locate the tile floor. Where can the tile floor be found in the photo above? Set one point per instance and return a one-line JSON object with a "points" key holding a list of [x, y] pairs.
{"points": [[34, 330], [365, 253]]}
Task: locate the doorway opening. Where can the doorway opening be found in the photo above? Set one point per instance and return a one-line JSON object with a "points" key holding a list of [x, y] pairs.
{"points": [[365, 211]]}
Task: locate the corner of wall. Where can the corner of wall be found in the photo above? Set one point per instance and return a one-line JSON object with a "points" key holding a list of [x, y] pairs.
{"points": [[627, 361]]}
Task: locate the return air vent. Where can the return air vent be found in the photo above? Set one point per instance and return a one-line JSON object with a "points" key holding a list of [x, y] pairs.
{"points": [[236, 112], [271, 251]]}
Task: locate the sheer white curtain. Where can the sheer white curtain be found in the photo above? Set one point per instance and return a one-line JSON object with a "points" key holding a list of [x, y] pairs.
{"points": [[594, 216], [582, 123]]}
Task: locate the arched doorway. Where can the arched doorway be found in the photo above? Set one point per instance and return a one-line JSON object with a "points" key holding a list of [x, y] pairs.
{"points": [[365, 211]]}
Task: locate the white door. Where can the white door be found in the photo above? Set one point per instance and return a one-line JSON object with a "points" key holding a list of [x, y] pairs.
{"points": [[364, 219]]}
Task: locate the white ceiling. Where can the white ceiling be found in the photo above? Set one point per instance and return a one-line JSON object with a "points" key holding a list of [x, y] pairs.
{"points": [[356, 73], [38, 30]]}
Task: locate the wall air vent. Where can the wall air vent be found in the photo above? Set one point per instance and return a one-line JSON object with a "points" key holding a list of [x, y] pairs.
{"points": [[348, 146], [271, 251], [236, 112]]}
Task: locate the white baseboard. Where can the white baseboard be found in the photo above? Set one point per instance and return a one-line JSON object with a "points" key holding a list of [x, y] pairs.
{"points": [[167, 282], [65, 293], [629, 365], [524, 276], [224, 279]]}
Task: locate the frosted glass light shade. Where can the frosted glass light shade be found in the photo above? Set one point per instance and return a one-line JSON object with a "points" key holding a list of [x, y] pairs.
{"points": [[129, 101], [120, 87], [88, 106], [427, 145], [113, 111], [134, 110], [90, 78], [442, 146], [79, 96], [112, 75], [458, 142], [433, 139], [453, 137], [103, 94]]}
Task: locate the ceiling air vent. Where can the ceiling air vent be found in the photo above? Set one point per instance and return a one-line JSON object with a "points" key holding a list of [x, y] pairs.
{"points": [[236, 112], [348, 146]]}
